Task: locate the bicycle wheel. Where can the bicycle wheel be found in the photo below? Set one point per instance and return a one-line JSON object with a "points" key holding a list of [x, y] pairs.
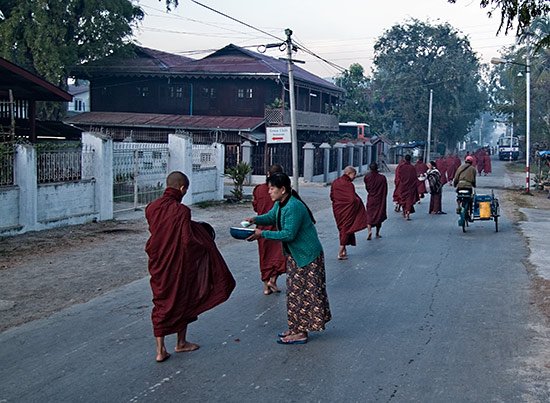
{"points": [[496, 223], [464, 218]]}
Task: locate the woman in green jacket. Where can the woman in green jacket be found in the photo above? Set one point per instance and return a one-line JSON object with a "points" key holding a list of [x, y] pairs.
{"points": [[307, 301]]}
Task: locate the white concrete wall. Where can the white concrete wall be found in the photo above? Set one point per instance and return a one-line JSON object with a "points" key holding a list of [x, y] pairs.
{"points": [[9, 207], [61, 201]]}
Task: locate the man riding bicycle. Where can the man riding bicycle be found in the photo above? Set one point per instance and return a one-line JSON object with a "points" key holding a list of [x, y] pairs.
{"points": [[465, 178]]}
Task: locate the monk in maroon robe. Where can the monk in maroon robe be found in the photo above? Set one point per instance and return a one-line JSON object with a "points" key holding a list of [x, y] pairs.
{"points": [[348, 209], [421, 169], [188, 273], [442, 168], [272, 260], [377, 193], [480, 160], [395, 196], [407, 188], [487, 164], [453, 162]]}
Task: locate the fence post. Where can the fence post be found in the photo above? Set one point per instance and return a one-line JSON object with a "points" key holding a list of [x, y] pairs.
{"points": [[26, 178], [102, 172], [180, 148], [351, 147], [360, 146], [309, 149], [326, 161], [369, 153], [339, 158], [247, 157], [220, 168]]}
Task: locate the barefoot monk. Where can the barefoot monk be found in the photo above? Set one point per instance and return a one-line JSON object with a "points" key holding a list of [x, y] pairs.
{"points": [[188, 273], [348, 209]]}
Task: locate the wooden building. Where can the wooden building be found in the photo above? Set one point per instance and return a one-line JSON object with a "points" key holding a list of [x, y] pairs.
{"points": [[20, 90], [230, 95]]}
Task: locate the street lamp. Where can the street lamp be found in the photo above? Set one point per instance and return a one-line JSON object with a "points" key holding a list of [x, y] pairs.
{"points": [[527, 65]]}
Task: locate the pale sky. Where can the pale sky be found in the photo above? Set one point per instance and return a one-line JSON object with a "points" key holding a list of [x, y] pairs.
{"points": [[342, 31]]}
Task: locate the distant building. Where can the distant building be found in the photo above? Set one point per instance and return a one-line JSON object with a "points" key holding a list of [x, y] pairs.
{"points": [[81, 97], [230, 95]]}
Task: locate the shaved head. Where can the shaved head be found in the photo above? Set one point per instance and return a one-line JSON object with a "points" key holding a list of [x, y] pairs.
{"points": [[349, 170], [176, 180]]}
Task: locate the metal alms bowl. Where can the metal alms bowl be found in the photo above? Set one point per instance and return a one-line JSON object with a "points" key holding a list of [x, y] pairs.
{"points": [[240, 233]]}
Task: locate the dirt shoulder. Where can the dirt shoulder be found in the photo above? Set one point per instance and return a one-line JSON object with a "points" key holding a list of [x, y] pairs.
{"points": [[46, 271]]}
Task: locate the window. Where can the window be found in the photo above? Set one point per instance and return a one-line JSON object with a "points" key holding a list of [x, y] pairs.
{"points": [[142, 91], [244, 93], [175, 91]]}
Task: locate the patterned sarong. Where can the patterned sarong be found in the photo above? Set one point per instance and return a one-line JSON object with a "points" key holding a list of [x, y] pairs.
{"points": [[307, 301]]}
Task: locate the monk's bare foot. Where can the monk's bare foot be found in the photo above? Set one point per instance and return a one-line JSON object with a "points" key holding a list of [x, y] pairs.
{"points": [[273, 286], [185, 348], [369, 237], [267, 289], [162, 356]]}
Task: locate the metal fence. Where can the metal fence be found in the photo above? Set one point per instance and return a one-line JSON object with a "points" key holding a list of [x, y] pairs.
{"points": [[7, 155], [139, 172], [62, 164]]}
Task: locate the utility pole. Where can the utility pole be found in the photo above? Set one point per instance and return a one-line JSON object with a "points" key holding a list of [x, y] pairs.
{"points": [[527, 119], [293, 131], [430, 126]]}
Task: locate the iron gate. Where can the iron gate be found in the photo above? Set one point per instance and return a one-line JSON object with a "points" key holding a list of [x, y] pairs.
{"points": [[139, 174]]}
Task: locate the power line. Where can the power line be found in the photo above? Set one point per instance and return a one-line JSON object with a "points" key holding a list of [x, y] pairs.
{"points": [[239, 21]]}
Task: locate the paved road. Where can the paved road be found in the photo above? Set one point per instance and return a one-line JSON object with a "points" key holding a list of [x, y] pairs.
{"points": [[427, 313]]}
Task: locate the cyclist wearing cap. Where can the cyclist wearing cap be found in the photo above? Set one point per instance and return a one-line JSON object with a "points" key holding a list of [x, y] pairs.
{"points": [[465, 177]]}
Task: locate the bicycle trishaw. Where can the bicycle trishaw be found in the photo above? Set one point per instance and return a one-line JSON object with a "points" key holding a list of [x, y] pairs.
{"points": [[474, 206]]}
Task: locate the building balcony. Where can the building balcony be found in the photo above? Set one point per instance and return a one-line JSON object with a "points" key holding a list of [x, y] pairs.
{"points": [[304, 120]]}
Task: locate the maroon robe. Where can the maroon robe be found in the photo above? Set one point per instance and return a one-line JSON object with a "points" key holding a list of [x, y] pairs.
{"points": [[442, 168], [407, 188], [480, 160], [377, 193], [395, 196], [348, 209], [272, 260], [421, 169], [487, 164], [453, 162], [188, 273]]}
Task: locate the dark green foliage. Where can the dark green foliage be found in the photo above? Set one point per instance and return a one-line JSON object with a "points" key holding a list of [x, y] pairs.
{"points": [[355, 104], [411, 60], [47, 37], [238, 175]]}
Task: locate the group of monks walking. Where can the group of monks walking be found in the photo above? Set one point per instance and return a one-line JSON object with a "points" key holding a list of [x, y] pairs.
{"points": [[189, 275]]}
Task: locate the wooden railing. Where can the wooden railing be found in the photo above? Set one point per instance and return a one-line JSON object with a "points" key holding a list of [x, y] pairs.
{"points": [[304, 120]]}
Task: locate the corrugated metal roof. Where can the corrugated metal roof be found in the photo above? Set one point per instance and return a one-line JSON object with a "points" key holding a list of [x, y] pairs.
{"points": [[230, 61], [26, 85], [157, 120]]}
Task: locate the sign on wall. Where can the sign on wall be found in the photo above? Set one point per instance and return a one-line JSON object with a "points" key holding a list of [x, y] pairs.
{"points": [[278, 135]]}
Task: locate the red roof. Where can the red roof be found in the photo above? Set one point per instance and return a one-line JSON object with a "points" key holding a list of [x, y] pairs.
{"points": [[230, 61], [157, 120]]}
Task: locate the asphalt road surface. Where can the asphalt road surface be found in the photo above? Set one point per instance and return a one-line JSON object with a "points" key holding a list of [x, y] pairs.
{"points": [[427, 313]]}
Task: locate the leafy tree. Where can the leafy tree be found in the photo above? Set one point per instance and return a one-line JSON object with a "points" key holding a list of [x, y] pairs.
{"points": [[355, 103], [507, 89], [510, 10], [412, 59], [49, 36]]}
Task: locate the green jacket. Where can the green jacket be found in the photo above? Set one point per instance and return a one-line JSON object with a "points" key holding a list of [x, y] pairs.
{"points": [[296, 230], [465, 176]]}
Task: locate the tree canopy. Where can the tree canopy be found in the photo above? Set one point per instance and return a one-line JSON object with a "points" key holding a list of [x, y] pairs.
{"points": [[355, 104], [48, 37], [510, 10], [414, 58]]}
